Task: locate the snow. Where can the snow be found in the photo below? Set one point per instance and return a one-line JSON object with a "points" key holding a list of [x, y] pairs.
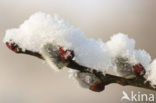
{"points": [[120, 43], [38, 29], [152, 73], [43, 28]]}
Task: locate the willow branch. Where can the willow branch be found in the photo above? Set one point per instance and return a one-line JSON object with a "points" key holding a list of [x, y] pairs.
{"points": [[107, 78]]}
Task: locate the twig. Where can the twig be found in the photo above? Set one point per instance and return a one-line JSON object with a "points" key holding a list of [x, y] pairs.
{"points": [[106, 79]]}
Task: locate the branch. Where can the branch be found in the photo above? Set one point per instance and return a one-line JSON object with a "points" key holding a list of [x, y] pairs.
{"points": [[106, 79]]}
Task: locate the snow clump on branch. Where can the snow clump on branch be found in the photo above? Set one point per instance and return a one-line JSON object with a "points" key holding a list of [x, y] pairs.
{"points": [[119, 52], [41, 28]]}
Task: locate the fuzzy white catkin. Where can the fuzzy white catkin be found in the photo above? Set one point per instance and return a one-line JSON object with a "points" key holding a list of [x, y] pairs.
{"points": [[41, 28]]}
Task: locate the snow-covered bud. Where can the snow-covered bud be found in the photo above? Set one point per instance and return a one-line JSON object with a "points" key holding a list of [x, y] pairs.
{"points": [[13, 47], [139, 70], [66, 55], [88, 80]]}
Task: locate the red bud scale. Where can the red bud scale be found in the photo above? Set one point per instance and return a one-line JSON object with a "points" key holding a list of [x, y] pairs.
{"points": [[12, 47], [97, 87], [66, 55], [139, 70]]}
